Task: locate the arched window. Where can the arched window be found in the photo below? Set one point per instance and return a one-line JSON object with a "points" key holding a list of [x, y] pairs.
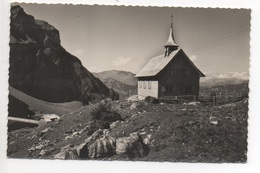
{"points": [[149, 84], [140, 84], [144, 84]]}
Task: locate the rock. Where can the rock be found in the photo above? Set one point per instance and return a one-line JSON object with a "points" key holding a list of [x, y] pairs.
{"points": [[228, 105], [43, 152], [82, 150], [42, 144], [149, 99], [133, 106], [98, 145], [113, 125], [191, 104], [95, 135], [67, 152], [213, 120], [50, 117], [46, 130], [147, 139], [103, 147], [133, 98], [132, 146], [142, 133]]}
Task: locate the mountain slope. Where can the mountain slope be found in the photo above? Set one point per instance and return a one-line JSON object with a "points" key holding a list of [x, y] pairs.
{"points": [[42, 68], [122, 89], [39, 106], [121, 76], [24, 106], [122, 82]]}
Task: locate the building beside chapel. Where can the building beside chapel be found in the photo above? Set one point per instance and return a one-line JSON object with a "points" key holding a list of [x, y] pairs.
{"points": [[169, 74]]}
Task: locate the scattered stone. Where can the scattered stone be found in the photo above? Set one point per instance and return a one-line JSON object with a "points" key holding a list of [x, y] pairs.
{"points": [[213, 120], [142, 133], [42, 144], [147, 139], [133, 98], [43, 152], [106, 131], [191, 104], [46, 130], [83, 130], [113, 125], [50, 117], [133, 106], [228, 105]]}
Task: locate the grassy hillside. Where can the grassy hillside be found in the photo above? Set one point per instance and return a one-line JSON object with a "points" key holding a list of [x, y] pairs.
{"points": [[179, 132]]}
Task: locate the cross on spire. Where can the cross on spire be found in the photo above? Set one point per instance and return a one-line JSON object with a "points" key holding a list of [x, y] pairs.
{"points": [[170, 45], [171, 17]]}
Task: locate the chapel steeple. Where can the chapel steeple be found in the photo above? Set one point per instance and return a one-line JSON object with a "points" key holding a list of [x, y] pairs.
{"points": [[170, 44]]}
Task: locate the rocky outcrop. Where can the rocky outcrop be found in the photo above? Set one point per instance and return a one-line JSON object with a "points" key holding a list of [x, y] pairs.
{"points": [[98, 145], [42, 68], [131, 146]]}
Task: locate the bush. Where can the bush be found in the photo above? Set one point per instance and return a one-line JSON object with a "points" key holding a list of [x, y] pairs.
{"points": [[104, 115], [149, 99]]}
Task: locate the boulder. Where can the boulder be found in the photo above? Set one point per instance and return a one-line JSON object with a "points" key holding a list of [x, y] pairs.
{"points": [[150, 100], [50, 117], [98, 145], [132, 146], [67, 152], [103, 147]]}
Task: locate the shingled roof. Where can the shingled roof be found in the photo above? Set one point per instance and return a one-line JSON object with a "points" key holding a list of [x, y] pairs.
{"points": [[158, 63]]}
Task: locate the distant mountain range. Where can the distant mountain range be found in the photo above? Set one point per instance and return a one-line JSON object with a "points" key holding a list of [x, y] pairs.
{"points": [[121, 76], [122, 82], [42, 68]]}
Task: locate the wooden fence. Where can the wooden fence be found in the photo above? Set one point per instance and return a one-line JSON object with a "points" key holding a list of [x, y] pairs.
{"points": [[214, 98], [223, 97]]}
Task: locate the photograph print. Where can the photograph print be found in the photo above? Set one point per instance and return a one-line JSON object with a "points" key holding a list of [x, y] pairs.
{"points": [[132, 83]]}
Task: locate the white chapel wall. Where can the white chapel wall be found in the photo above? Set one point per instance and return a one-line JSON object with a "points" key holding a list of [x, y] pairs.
{"points": [[148, 88]]}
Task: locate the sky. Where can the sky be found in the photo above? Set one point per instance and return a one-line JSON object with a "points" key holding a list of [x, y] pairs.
{"points": [[126, 38]]}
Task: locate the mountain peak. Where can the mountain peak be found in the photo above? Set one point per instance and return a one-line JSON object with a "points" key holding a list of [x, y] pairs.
{"points": [[42, 68]]}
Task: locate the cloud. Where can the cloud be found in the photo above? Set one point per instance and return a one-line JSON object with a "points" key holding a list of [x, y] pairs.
{"points": [[121, 61], [78, 52], [193, 58]]}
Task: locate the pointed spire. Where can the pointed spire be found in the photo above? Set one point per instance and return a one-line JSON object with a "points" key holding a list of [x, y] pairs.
{"points": [[171, 41], [170, 45]]}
